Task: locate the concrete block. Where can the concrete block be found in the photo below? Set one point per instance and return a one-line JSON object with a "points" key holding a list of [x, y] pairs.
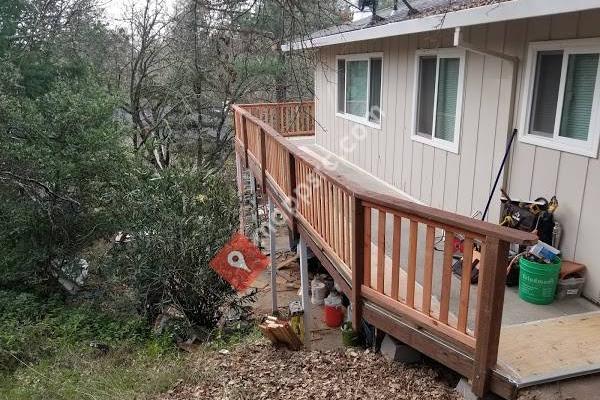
{"points": [[394, 350], [466, 391]]}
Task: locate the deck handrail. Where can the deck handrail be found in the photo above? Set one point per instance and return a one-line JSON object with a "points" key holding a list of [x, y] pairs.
{"points": [[339, 214]]}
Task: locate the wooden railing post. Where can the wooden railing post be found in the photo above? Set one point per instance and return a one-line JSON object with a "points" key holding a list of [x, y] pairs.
{"points": [[263, 160], [357, 259], [492, 278], [245, 139]]}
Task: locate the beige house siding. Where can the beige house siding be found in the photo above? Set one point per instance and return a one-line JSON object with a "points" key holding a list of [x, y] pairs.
{"points": [[462, 182], [574, 179]]}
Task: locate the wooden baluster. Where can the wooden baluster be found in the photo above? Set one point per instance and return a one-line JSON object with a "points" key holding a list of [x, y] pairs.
{"points": [[465, 285], [359, 237], [412, 264], [492, 278], [292, 189], [334, 218], [340, 225], [335, 238], [306, 192], [428, 273], [305, 211], [318, 205], [301, 188], [316, 201], [480, 266], [263, 160], [446, 277], [366, 244], [381, 251], [245, 140], [396, 243], [327, 211], [322, 205], [311, 196], [280, 126], [346, 228]]}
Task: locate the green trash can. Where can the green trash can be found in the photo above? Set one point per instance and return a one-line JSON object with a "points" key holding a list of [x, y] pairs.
{"points": [[538, 281]]}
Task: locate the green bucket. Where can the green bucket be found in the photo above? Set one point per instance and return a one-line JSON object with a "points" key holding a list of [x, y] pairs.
{"points": [[349, 337], [537, 281]]}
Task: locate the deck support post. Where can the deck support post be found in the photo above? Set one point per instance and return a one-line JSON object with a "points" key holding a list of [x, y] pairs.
{"points": [[273, 253], [357, 259], [240, 184], [304, 285], [254, 205], [492, 278]]}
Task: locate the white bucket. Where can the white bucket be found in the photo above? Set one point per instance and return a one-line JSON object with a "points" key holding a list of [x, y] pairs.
{"points": [[319, 291]]}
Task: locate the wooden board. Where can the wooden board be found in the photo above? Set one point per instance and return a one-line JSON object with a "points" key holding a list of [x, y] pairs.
{"points": [[550, 350]]}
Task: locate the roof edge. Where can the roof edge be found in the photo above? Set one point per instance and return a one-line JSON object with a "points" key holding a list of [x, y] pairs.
{"points": [[504, 11]]}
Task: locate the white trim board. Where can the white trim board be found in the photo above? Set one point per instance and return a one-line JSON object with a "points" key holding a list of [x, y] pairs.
{"points": [[505, 11]]}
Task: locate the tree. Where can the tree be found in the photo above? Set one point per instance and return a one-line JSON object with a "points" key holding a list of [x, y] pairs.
{"points": [[61, 151], [62, 167]]}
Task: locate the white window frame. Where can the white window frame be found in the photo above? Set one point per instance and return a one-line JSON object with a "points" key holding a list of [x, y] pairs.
{"points": [[587, 148], [424, 138], [351, 117]]}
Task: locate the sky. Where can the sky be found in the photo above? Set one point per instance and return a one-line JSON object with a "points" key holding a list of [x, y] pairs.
{"points": [[114, 8]]}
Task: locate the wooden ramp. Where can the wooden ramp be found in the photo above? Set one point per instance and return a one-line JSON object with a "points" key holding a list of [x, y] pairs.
{"points": [[550, 350]]}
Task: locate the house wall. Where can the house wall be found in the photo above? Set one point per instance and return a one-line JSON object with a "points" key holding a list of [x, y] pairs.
{"points": [[461, 182]]}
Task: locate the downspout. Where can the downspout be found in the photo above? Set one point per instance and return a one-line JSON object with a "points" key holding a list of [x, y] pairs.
{"points": [[459, 42]]}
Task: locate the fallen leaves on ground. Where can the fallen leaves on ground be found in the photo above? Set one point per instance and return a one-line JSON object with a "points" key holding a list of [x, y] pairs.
{"points": [[259, 371]]}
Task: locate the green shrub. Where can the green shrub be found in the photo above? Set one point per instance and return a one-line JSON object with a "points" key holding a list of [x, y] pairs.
{"points": [[178, 220]]}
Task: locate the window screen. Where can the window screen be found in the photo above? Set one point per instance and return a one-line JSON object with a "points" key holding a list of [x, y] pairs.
{"points": [[547, 85], [356, 88], [427, 72], [447, 95], [341, 96], [375, 90], [580, 84]]}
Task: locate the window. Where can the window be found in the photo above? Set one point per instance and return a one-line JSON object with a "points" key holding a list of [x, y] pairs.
{"points": [[438, 97], [561, 96], [359, 88]]}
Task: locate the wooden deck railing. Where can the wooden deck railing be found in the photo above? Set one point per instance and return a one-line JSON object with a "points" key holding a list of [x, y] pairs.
{"points": [[289, 119], [348, 222]]}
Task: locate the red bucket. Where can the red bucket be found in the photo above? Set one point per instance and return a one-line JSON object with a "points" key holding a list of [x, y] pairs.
{"points": [[334, 316]]}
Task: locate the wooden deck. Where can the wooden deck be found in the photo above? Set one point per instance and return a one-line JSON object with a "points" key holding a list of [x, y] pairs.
{"points": [[345, 224]]}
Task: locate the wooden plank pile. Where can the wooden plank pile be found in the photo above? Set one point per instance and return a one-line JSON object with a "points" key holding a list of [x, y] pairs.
{"points": [[280, 332]]}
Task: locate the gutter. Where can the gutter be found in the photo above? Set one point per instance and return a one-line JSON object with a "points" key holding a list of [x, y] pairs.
{"points": [[505, 11]]}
